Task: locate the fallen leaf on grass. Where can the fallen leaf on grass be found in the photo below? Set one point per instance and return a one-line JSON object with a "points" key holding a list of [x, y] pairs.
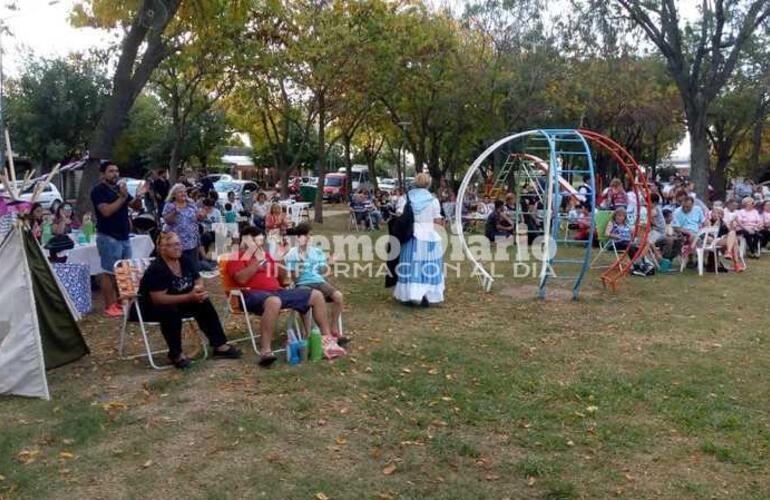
{"points": [[27, 456], [492, 477], [147, 464], [114, 405], [68, 441], [321, 496], [406, 370], [66, 455], [2, 477], [341, 440], [530, 481], [592, 409], [432, 371], [389, 469]]}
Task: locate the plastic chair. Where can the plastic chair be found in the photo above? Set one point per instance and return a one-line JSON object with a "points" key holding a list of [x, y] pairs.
{"points": [[236, 305], [602, 220], [705, 241], [128, 275]]}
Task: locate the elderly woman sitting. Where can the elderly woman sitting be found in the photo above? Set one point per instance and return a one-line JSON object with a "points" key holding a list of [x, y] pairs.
{"points": [[171, 289], [749, 225]]}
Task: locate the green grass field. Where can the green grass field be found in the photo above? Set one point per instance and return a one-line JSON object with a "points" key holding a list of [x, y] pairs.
{"points": [[658, 391]]}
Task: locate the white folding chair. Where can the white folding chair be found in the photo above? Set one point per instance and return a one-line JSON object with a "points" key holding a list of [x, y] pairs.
{"points": [[128, 275], [364, 215]]}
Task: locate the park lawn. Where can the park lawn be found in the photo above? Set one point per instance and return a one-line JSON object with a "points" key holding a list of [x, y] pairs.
{"points": [[657, 391]]}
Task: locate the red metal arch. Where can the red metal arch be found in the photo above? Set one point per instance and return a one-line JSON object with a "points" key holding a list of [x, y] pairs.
{"points": [[641, 189]]}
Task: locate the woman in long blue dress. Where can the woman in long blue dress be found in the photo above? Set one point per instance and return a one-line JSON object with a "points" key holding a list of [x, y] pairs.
{"points": [[420, 268]]}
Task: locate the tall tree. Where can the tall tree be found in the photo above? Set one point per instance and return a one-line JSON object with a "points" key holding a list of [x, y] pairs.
{"points": [[701, 57], [200, 72], [143, 47], [52, 105]]}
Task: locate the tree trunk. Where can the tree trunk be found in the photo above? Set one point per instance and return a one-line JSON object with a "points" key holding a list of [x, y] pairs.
{"points": [[699, 145], [400, 167], [348, 164], [654, 168], [719, 178], [284, 181], [173, 164], [130, 78], [756, 147], [319, 196]]}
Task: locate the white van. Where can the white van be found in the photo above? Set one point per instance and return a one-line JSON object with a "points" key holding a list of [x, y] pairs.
{"points": [[360, 178]]}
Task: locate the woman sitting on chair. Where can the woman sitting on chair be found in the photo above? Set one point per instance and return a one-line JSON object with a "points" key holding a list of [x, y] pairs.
{"points": [[727, 239], [749, 225], [171, 289]]}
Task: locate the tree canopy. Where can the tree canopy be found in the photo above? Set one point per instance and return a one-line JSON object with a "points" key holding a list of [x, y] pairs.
{"points": [[309, 80]]}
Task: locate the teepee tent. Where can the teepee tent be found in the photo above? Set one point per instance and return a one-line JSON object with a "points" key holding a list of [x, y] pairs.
{"points": [[38, 328]]}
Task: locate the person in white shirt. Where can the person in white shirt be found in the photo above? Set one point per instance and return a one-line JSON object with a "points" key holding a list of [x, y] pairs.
{"points": [[260, 209]]}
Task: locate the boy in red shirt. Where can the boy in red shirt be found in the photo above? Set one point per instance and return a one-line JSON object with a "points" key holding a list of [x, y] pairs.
{"points": [[257, 271]]}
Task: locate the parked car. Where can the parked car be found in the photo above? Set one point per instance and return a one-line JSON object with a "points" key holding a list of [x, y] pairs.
{"points": [[49, 195], [219, 177], [237, 186], [360, 176], [335, 187], [387, 185]]}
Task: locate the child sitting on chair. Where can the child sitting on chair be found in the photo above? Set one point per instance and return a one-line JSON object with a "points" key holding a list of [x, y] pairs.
{"points": [[618, 230], [308, 265]]}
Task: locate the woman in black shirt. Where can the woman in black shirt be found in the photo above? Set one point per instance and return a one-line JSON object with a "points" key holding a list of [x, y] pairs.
{"points": [[171, 289]]}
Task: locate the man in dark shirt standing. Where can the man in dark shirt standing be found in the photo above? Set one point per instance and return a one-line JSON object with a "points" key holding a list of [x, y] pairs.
{"points": [[161, 186], [111, 201]]}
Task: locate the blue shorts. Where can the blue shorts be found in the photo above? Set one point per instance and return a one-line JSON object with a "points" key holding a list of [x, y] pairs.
{"points": [[111, 250], [297, 299]]}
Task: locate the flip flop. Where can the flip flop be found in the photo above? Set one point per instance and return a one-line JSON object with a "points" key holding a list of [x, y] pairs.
{"points": [[265, 360], [232, 353]]}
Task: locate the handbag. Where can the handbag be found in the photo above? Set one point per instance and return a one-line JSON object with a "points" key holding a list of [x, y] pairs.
{"points": [[402, 226]]}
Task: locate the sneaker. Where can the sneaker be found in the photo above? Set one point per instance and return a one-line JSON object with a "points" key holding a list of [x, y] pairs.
{"points": [[739, 268], [638, 272], [114, 311]]}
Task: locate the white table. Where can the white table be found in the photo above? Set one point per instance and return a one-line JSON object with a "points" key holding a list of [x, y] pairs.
{"points": [[141, 247], [294, 209]]}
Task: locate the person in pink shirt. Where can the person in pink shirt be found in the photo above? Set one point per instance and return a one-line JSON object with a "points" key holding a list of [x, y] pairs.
{"points": [[765, 232], [749, 225]]}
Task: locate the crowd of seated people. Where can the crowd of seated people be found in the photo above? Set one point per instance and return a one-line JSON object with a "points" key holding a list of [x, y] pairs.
{"points": [[676, 216]]}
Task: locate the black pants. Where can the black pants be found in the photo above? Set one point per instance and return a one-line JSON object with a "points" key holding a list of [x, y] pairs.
{"points": [[170, 319], [193, 256], [765, 237], [207, 238], [670, 247], [752, 240]]}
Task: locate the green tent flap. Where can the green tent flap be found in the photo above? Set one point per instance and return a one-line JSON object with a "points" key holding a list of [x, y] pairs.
{"points": [[62, 340]]}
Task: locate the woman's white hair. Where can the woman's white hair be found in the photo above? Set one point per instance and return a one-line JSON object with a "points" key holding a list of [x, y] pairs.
{"points": [[172, 192], [422, 180]]}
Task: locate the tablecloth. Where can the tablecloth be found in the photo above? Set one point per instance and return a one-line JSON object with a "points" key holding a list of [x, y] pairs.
{"points": [[141, 248], [76, 279]]}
